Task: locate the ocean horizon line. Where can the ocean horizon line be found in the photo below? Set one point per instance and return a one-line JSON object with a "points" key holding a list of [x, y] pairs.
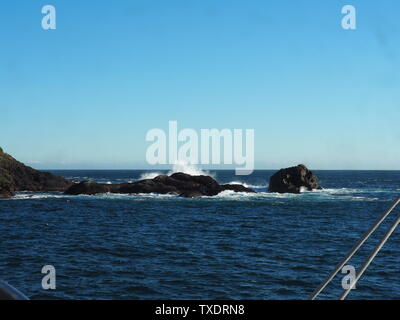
{"points": [[207, 169]]}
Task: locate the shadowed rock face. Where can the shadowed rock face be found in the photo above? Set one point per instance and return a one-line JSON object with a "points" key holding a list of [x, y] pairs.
{"points": [[291, 180], [6, 190], [179, 183], [15, 176], [88, 187]]}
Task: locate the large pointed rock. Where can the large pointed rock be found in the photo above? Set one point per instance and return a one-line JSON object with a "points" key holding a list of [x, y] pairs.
{"points": [[293, 179]]}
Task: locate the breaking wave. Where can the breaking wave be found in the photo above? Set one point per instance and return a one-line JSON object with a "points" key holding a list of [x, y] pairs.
{"points": [[344, 194], [149, 175], [181, 166], [251, 186]]}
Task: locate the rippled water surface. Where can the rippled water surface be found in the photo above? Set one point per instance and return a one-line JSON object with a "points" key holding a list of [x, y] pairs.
{"points": [[233, 246]]}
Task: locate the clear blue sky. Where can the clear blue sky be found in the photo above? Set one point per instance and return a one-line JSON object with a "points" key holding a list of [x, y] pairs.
{"points": [[84, 95]]}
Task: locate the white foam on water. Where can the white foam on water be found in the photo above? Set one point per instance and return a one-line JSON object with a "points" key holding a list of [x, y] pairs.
{"points": [[340, 191], [37, 195], [246, 196], [181, 166], [337, 190], [251, 186], [232, 195], [346, 193], [331, 194], [303, 189], [140, 196], [149, 175], [364, 198]]}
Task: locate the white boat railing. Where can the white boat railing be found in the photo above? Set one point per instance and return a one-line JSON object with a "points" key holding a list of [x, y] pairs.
{"points": [[357, 246]]}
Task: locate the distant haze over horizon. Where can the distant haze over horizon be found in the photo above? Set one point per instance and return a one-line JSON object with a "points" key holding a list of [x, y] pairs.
{"points": [[84, 96]]}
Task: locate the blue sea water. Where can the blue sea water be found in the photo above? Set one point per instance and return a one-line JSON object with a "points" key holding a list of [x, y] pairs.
{"points": [[232, 246]]}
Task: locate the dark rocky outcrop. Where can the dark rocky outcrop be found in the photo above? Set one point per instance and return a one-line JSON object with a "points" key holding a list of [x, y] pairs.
{"points": [[291, 180], [181, 184], [15, 176], [236, 188], [88, 187], [6, 189]]}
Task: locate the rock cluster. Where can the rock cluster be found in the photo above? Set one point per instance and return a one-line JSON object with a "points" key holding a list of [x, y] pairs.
{"points": [[15, 176], [181, 184]]}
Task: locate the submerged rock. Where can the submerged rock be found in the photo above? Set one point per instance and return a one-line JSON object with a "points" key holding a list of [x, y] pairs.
{"points": [[87, 187], [236, 188], [15, 176], [181, 184], [291, 180]]}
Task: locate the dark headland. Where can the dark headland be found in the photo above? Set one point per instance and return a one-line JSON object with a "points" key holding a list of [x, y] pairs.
{"points": [[15, 176]]}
